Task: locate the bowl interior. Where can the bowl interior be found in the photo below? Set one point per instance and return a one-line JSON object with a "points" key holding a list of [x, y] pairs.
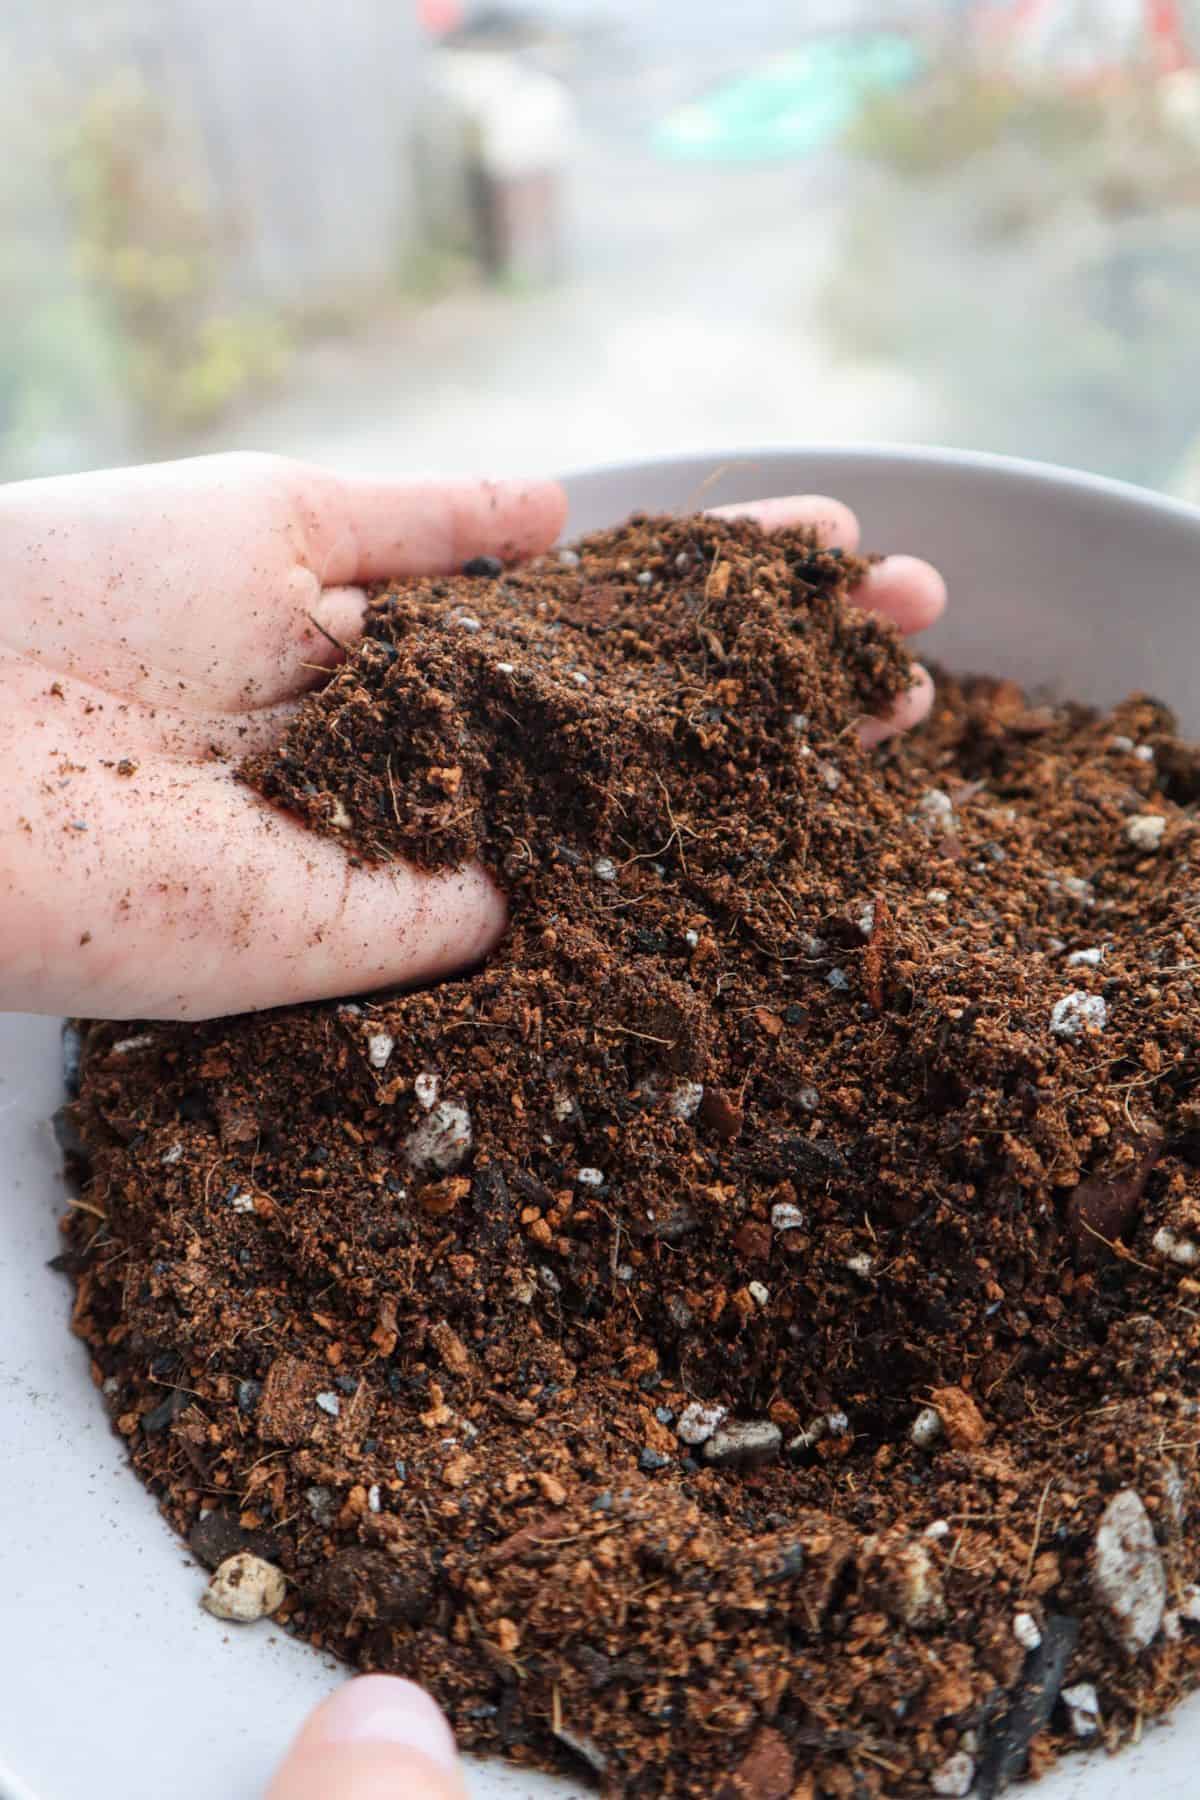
{"points": [[1055, 578]]}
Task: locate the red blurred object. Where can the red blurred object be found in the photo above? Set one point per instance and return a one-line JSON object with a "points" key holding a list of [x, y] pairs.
{"points": [[441, 17], [1161, 25], [1166, 30]]}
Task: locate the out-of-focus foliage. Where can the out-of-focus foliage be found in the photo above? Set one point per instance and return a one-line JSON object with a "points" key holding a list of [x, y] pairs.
{"points": [[119, 329], [1061, 228], [150, 245]]}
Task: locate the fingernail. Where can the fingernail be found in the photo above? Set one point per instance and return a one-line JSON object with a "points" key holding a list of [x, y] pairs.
{"points": [[383, 1709]]}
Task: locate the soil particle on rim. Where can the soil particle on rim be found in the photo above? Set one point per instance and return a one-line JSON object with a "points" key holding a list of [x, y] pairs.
{"points": [[736, 1341]]}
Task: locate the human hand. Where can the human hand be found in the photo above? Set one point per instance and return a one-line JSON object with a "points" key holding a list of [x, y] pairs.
{"points": [[375, 1738], [157, 624]]}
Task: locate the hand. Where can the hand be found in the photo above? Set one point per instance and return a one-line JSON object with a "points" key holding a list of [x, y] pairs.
{"points": [[375, 1738], [156, 624]]}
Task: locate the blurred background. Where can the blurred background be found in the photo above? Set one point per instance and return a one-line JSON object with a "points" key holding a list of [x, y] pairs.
{"points": [[427, 234]]}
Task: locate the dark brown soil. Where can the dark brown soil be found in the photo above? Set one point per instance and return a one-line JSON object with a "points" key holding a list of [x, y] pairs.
{"points": [[786, 1093]]}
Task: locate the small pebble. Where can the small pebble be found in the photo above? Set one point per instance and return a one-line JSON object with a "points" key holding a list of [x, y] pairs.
{"points": [[242, 1203], [506, 668], [1121, 743], [1182, 1250], [379, 1049], [902, 1579], [1083, 1708], [797, 723], [1026, 1631], [683, 1102], [859, 1265], [758, 1293], [650, 1461], [1190, 1605], [604, 869], [485, 566], [466, 622], [935, 1532], [1128, 1577], [837, 1424], [936, 807], [810, 1437], [247, 1395], [1085, 959], [173, 1155], [562, 1106], [683, 562], [1145, 831], [955, 1777], [664, 1415], [441, 1143], [786, 1217], [1144, 752], [244, 1588], [838, 980], [426, 1088], [808, 1099], [645, 577], [745, 1445], [1077, 1013], [579, 678], [1079, 890], [162, 1415], [126, 1046], [937, 896], [340, 819], [569, 559], [374, 1499], [321, 1504], [831, 776], [926, 1428], [593, 1178], [691, 939], [329, 1403], [697, 1422]]}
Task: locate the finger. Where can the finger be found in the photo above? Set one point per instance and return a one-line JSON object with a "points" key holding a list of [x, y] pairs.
{"points": [[362, 530], [834, 523], [906, 590], [175, 892], [376, 1738], [910, 709]]}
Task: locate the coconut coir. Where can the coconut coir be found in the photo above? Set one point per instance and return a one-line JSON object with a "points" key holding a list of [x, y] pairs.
{"points": [[745, 1338]]}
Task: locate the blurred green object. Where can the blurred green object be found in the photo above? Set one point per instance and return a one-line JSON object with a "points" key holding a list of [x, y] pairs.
{"points": [[793, 106]]}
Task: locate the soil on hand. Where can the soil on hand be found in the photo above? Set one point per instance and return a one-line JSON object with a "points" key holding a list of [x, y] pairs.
{"points": [[744, 1340]]}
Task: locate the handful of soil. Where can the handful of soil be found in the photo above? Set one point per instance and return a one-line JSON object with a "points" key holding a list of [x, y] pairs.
{"points": [[745, 1339]]}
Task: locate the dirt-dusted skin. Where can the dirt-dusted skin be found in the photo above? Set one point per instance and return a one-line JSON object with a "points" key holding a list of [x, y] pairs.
{"points": [[783, 1095]]}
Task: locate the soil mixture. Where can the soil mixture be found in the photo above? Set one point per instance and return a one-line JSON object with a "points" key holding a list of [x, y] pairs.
{"points": [[744, 1339]]}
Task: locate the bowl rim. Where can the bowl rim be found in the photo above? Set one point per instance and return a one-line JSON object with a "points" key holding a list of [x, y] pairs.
{"points": [[943, 458]]}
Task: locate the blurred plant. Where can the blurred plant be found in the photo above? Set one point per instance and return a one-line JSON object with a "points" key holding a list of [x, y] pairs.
{"points": [[937, 125], [1120, 147], [149, 246], [1032, 256]]}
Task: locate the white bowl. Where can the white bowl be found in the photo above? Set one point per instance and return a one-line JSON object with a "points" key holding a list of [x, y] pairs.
{"points": [[112, 1683]]}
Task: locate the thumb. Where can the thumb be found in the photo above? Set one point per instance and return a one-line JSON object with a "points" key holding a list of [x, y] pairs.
{"points": [[376, 1738]]}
